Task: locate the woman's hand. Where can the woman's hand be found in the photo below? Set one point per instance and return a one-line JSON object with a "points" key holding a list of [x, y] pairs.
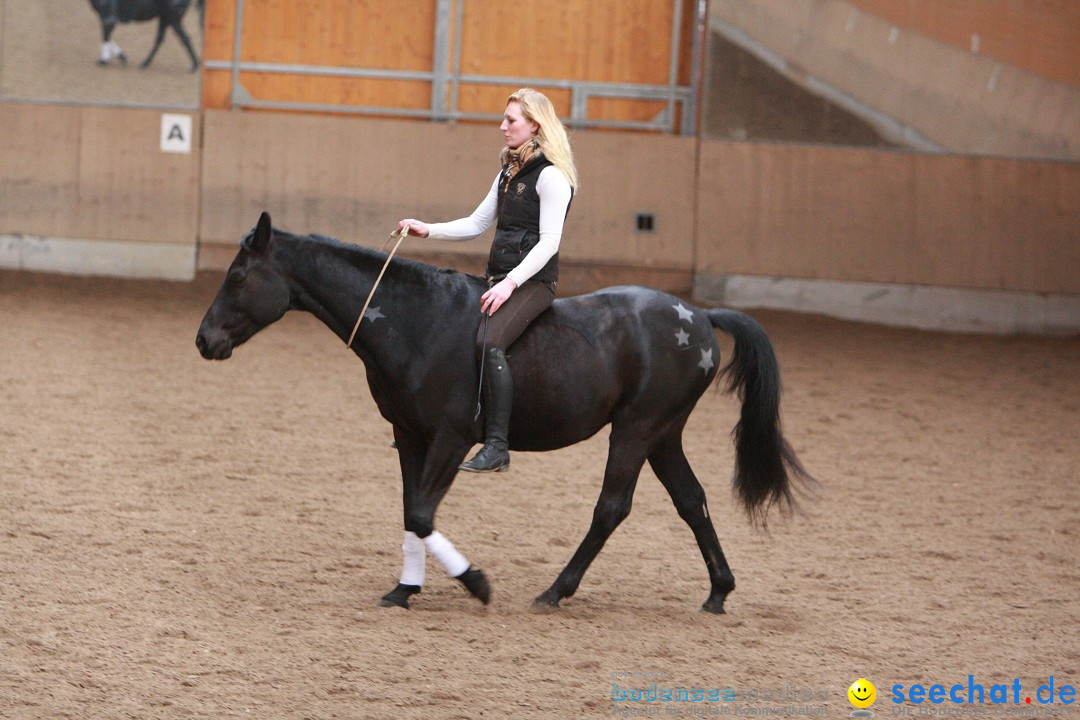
{"points": [[496, 296], [414, 227]]}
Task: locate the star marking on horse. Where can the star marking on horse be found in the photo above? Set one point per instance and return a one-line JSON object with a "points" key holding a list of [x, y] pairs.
{"points": [[684, 314], [373, 314], [706, 363], [683, 337]]}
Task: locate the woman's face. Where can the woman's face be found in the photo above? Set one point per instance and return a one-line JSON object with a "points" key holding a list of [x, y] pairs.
{"points": [[516, 128]]}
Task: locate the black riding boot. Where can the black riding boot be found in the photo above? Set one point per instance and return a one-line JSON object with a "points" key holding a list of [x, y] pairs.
{"points": [[498, 398]]}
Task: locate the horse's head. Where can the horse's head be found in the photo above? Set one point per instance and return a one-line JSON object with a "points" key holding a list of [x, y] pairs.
{"points": [[254, 295]]}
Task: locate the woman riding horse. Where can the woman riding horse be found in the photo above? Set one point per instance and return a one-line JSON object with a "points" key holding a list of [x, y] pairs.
{"points": [[528, 201]]}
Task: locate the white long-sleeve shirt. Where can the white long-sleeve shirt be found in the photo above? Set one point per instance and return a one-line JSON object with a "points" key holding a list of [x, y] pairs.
{"points": [[555, 193]]}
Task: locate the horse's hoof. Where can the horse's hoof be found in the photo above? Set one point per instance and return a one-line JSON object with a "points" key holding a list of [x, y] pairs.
{"points": [[546, 601], [102, 63], [476, 583], [123, 58], [714, 605], [399, 596]]}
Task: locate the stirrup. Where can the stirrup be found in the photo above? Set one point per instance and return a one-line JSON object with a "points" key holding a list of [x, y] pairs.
{"points": [[488, 459]]}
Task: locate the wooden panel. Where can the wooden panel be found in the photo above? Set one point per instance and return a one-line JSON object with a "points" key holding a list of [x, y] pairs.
{"points": [[492, 98], [351, 178], [604, 41], [95, 174], [219, 29], [291, 88], [624, 41], [216, 88], [1042, 37], [342, 33], [38, 189], [626, 174], [129, 189], [354, 178], [878, 216]]}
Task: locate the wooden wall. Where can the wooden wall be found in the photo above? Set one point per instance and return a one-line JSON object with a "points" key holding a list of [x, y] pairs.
{"points": [[622, 41], [354, 178], [746, 209], [889, 217], [71, 177], [1042, 37], [337, 33]]}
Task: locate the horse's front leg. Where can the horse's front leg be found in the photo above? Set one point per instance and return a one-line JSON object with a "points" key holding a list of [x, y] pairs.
{"points": [[427, 473], [109, 49]]}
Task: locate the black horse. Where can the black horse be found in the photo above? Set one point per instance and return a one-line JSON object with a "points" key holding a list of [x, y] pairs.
{"points": [[169, 14], [630, 356]]}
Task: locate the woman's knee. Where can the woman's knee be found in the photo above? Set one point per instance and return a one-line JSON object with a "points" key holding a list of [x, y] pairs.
{"points": [[483, 347]]}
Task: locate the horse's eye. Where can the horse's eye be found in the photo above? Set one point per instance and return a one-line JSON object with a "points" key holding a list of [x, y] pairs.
{"points": [[234, 278]]}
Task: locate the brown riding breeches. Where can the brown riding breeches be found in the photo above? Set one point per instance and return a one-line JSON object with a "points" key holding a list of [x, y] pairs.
{"points": [[507, 324]]}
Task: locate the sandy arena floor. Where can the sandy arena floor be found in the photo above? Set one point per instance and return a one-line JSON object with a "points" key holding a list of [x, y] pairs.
{"points": [[181, 538]]}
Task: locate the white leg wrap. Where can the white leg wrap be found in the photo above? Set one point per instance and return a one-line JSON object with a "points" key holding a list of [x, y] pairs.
{"points": [[412, 568], [109, 50], [443, 550]]}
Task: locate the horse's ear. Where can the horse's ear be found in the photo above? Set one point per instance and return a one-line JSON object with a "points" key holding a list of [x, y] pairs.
{"points": [[261, 239]]}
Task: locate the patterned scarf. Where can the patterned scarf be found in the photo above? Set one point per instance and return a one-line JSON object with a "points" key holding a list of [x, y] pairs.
{"points": [[513, 159]]}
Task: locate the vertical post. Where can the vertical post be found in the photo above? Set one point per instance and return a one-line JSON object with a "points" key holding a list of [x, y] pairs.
{"points": [[579, 104], [234, 89], [440, 59], [455, 76], [693, 104], [673, 70]]}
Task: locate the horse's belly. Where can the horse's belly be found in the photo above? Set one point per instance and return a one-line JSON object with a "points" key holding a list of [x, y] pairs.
{"points": [[548, 417]]}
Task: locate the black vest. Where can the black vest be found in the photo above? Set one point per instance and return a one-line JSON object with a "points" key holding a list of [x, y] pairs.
{"points": [[517, 229]]}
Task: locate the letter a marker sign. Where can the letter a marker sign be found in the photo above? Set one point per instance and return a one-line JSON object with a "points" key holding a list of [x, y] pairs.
{"points": [[175, 133]]}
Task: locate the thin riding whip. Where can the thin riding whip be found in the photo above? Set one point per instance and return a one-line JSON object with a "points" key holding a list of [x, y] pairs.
{"points": [[483, 358], [401, 233]]}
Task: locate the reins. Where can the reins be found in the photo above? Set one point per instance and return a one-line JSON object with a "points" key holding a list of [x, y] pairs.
{"points": [[401, 233]]}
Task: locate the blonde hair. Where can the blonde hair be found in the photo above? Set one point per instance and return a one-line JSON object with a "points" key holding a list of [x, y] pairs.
{"points": [[536, 106]]}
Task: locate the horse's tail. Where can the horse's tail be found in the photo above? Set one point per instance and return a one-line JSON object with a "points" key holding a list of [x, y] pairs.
{"points": [[765, 464]]}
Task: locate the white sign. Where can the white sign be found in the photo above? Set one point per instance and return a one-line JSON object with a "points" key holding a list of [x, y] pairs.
{"points": [[175, 133]]}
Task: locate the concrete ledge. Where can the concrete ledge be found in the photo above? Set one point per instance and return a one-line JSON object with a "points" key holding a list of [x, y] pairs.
{"points": [[69, 256], [919, 306]]}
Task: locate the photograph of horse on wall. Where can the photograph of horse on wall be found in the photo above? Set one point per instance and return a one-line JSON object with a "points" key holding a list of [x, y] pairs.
{"points": [[168, 13]]}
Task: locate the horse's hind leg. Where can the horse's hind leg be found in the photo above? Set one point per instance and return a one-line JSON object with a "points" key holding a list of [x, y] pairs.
{"points": [[672, 468], [620, 478], [187, 44], [163, 24]]}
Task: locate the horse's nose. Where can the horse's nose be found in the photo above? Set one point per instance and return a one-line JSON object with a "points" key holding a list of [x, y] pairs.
{"points": [[211, 350], [202, 341]]}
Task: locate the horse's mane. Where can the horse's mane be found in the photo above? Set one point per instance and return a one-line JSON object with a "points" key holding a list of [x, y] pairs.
{"points": [[360, 256]]}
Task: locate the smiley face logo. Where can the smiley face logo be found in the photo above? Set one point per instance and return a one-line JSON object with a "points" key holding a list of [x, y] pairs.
{"points": [[862, 693]]}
